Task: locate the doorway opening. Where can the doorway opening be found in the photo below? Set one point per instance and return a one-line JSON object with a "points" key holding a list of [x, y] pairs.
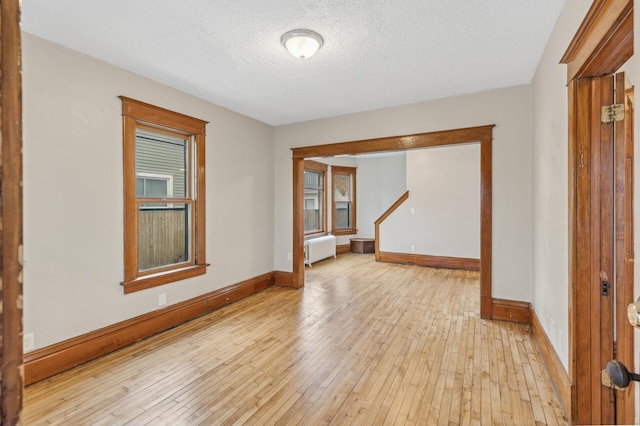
{"points": [[482, 135]]}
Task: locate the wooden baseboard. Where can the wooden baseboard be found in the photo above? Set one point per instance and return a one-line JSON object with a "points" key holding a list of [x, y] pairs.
{"points": [[559, 376], [428, 260], [46, 362], [343, 248], [510, 310], [284, 279]]}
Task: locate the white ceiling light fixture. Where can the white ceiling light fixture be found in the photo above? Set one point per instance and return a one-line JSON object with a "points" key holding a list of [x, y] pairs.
{"points": [[302, 44]]}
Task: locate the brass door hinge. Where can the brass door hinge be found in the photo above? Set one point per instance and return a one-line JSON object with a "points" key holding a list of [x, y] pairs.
{"points": [[611, 113]]}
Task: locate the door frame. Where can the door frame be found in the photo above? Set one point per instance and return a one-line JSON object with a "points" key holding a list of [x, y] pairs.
{"points": [[602, 44], [11, 362], [481, 134]]}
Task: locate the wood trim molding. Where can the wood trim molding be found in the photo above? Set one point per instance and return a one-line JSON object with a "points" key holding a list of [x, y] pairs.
{"points": [[431, 261], [557, 373], [161, 116], [482, 134], [283, 278], [343, 248], [511, 310], [603, 42], [11, 212], [383, 217], [323, 169], [46, 362], [486, 227], [136, 115], [351, 172], [398, 143]]}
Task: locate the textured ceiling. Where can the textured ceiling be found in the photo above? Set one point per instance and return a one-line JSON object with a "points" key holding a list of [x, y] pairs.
{"points": [[377, 53]]}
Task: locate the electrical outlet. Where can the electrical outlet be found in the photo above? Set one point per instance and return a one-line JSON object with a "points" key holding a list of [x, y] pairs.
{"points": [[289, 257], [413, 247], [162, 299], [413, 210], [28, 342]]}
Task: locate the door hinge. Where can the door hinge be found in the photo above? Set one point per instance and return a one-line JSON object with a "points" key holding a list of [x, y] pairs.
{"points": [[604, 287], [611, 113]]}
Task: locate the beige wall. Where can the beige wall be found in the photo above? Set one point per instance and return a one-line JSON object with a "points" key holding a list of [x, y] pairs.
{"points": [[550, 182], [441, 216], [73, 226], [509, 109]]}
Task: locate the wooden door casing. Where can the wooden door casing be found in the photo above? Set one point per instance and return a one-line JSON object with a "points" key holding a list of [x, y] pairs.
{"points": [[625, 399], [10, 214]]}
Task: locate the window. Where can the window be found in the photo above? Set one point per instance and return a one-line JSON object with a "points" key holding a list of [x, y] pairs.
{"points": [[152, 185], [315, 181], [343, 218], [164, 195]]}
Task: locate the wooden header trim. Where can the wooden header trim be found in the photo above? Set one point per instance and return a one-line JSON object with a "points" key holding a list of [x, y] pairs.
{"points": [[315, 166], [161, 117], [603, 41], [398, 143]]}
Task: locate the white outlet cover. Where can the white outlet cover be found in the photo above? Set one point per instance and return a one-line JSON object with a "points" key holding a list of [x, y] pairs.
{"points": [[413, 247]]}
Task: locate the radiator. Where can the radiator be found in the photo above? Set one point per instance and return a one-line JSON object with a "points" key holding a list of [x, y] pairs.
{"points": [[319, 248]]}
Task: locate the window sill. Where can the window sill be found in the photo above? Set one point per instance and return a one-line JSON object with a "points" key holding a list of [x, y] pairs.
{"points": [[165, 277], [314, 235], [344, 231]]}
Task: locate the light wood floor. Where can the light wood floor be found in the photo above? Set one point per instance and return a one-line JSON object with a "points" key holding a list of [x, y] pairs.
{"points": [[363, 343]]}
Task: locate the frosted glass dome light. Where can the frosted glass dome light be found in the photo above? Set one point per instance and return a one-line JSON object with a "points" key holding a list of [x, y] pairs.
{"points": [[302, 44]]}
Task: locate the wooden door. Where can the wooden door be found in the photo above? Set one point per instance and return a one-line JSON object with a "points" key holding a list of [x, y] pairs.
{"points": [[611, 242], [602, 158], [603, 243], [623, 166]]}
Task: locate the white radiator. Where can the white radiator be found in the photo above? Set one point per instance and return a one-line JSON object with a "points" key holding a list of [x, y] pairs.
{"points": [[319, 248]]}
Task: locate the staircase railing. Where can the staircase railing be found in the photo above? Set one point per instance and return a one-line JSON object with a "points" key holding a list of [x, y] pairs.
{"points": [[385, 215]]}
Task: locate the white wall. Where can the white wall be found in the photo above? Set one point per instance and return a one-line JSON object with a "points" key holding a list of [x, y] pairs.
{"points": [[509, 109], [441, 217], [380, 182], [550, 254], [73, 224]]}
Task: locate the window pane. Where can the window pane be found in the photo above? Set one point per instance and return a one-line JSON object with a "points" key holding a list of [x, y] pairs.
{"points": [[156, 188], [163, 235], [312, 210], [163, 156], [343, 215], [139, 187], [342, 187], [312, 179]]}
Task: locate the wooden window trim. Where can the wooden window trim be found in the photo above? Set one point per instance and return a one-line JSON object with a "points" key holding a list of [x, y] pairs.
{"points": [[316, 166], [139, 114], [351, 172]]}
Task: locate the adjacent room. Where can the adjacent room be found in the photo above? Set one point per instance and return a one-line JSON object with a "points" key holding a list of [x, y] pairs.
{"points": [[406, 212]]}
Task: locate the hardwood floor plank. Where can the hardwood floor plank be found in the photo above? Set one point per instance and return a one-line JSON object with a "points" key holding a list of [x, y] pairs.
{"points": [[363, 343]]}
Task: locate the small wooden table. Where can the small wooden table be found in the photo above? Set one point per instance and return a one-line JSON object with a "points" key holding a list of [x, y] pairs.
{"points": [[363, 245]]}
